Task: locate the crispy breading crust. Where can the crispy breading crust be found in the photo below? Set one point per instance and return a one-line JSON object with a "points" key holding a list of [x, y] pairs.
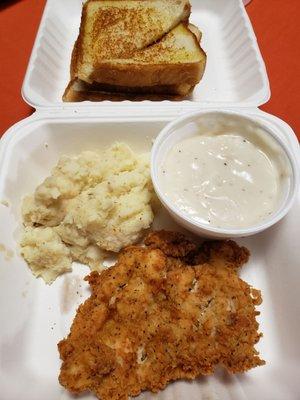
{"points": [[172, 244], [227, 252], [175, 244], [152, 319]]}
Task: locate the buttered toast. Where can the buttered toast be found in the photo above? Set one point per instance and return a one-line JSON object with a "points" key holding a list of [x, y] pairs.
{"points": [[115, 29], [135, 48], [176, 58]]}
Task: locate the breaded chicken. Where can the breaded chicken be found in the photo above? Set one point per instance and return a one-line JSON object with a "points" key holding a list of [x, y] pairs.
{"points": [[153, 318]]}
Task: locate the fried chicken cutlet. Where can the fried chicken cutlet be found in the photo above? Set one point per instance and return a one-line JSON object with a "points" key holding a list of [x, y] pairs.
{"points": [[163, 312]]}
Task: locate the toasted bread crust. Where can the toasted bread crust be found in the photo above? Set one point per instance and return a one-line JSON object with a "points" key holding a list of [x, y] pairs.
{"points": [[75, 59], [77, 53], [148, 75], [99, 92], [195, 30], [181, 89]]}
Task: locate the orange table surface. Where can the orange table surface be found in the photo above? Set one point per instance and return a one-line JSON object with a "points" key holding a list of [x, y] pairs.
{"points": [[275, 23]]}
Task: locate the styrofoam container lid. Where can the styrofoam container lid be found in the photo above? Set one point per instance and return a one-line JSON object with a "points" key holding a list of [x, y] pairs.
{"points": [[235, 73]]}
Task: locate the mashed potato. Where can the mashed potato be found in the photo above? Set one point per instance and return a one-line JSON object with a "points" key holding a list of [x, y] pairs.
{"points": [[41, 248], [92, 203]]}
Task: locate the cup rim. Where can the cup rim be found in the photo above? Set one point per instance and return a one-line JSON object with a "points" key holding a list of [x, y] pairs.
{"points": [[170, 128]]}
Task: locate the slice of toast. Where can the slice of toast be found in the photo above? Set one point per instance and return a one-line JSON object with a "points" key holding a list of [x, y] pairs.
{"points": [[78, 90], [176, 59], [116, 29], [170, 67]]}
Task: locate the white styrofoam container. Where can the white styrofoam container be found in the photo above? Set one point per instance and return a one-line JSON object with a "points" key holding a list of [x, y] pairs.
{"points": [[235, 71], [34, 316]]}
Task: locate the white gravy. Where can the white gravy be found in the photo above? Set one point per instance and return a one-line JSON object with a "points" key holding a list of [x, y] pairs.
{"points": [[223, 180]]}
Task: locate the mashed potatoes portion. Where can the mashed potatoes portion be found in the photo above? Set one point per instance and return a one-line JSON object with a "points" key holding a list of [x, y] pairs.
{"points": [[92, 203], [41, 248]]}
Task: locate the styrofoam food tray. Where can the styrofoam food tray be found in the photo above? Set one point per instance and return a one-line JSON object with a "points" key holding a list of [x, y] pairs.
{"points": [[34, 316], [235, 71]]}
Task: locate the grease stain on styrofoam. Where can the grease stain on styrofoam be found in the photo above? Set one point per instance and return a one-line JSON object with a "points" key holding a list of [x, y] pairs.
{"points": [[71, 293], [8, 254]]}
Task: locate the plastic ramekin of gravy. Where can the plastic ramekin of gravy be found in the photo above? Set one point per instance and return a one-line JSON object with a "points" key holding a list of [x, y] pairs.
{"points": [[223, 174]]}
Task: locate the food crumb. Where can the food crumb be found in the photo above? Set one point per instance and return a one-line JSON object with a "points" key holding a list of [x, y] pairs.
{"points": [[69, 293], [8, 254], [5, 203]]}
